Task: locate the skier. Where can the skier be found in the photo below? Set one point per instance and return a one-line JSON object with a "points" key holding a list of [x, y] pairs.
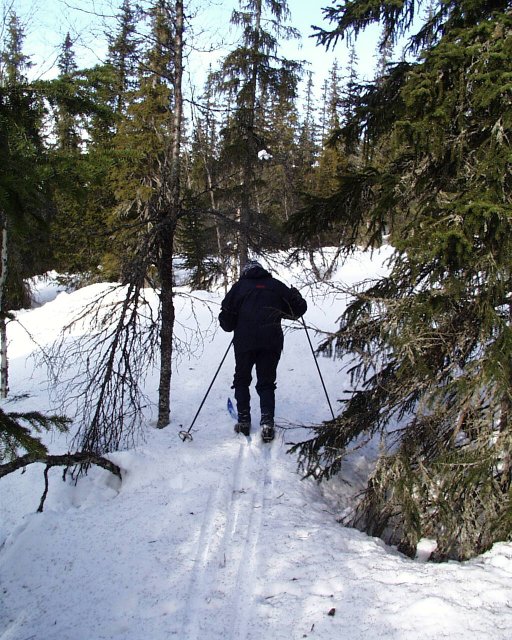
{"points": [[253, 309]]}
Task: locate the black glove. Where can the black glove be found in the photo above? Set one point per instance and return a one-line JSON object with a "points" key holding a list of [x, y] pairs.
{"points": [[297, 304]]}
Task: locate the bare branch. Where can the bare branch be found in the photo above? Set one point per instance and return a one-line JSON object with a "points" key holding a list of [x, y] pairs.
{"points": [[65, 460]]}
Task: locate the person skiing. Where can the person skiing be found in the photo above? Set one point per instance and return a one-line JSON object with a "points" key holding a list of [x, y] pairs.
{"points": [[253, 309]]}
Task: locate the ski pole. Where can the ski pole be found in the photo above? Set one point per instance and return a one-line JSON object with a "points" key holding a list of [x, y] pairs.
{"points": [[318, 368], [186, 435]]}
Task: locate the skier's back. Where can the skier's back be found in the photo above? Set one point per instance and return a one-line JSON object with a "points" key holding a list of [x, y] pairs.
{"points": [[253, 309]]}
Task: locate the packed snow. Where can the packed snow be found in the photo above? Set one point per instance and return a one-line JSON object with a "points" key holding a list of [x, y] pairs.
{"points": [[218, 537]]}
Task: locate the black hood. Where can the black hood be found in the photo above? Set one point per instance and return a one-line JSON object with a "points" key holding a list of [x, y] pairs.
{"points": [[256, 272]]}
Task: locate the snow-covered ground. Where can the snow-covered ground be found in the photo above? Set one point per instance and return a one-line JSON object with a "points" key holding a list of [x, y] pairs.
{"points": [[217, 538]]}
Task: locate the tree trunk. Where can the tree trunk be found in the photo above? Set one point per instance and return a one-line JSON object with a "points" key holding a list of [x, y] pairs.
{"points": [[169, 220], [3, 332], [4, 363], [506, 412], [166, 329]]}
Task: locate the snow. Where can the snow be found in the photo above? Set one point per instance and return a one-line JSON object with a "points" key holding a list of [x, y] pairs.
{"points": [[264, 155], [218, 537]]}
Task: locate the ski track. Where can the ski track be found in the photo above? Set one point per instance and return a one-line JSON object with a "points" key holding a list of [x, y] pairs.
{"points": [[225, 567], [248, 564]]}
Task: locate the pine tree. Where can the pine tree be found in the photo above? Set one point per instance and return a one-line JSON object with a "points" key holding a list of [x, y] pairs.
{"points": [[308, 143], [196, 243], [384, 55], [66, 125], [277, 193], [141, 138], [25, 190], [431, 342], [333, 100], [82, 116], [14, 63], [332, 160], [25, 196], [124, 57], [149, 178], [352, 77], [150, 204], [209, 259], [252, 75]]}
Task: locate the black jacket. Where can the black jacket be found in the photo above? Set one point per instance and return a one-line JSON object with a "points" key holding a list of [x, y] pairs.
{"points": [[254, 307]]}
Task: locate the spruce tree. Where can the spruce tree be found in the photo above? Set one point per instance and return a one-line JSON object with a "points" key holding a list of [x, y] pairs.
{"points": [[308, 143], [25, 190], [331, 160], [148, 176], [146, 180], [277, 193], [210, 259], [25, 186], [124, 57], [252, 75], [82, 115], [68, 138], [352, 77], [14, 62], [430, 344]]}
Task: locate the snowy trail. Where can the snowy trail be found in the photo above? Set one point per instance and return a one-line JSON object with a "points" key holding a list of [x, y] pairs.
{"points": [[248, 568], [227, 548], [218, 538]]}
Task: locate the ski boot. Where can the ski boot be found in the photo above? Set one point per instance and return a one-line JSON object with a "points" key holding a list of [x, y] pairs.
{"points": [[268, 431], [243, 425]]}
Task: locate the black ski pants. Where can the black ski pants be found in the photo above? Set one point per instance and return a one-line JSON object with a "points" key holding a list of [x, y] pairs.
{"points": [[266, 370]]}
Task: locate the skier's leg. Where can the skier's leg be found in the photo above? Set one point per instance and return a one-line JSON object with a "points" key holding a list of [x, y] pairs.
{"points": [[244, 362], [266, 371]]}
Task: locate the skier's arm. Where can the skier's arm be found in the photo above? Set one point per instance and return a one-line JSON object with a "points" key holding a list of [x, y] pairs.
{"points": [[296, 303], [228, 315]]}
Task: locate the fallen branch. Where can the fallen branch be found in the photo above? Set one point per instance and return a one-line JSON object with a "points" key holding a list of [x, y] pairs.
{"points": [[65, 460]]}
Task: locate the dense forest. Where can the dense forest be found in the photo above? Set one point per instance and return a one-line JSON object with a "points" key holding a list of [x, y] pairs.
{"points": [[112, 173]]}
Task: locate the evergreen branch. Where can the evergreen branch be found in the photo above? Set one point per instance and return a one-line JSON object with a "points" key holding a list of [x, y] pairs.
{"points": [[14, 434], [355, 16]]}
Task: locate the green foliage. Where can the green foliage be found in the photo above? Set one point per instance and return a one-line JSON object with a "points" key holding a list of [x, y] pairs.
{"points": [[17, 432], [13, 62], [196, 244], [431, 343], [82, 196], [25, 190], [79, 231], [260, 87]]}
